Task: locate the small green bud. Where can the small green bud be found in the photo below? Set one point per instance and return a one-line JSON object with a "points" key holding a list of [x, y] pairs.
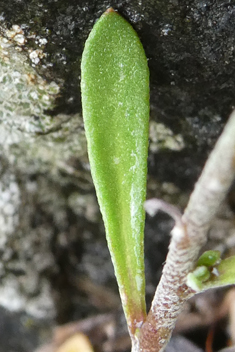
{"points": [[193, 282], [209, 258], [202, 273]]}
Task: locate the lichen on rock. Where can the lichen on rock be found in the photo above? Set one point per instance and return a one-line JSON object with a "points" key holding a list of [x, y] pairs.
{"points": [[25, 96]]}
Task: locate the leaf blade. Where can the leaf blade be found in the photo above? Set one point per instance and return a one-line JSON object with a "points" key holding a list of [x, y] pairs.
{"points": [[115, 99]]}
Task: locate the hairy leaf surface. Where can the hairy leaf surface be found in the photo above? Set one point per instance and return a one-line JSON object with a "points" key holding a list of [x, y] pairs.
{"points": [[115, 99]]}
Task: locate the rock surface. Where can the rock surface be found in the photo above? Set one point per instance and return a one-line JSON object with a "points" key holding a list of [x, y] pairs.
{"points": [[51, 232]]}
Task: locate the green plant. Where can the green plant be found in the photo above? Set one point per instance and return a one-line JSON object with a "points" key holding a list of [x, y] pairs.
{"points": [[115, 99]]}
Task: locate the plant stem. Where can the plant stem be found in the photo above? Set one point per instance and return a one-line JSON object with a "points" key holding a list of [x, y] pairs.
{"points": [[188, 236]]}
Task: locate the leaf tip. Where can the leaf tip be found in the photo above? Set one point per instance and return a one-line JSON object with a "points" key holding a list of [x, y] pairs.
{"points": [[109, 10]]}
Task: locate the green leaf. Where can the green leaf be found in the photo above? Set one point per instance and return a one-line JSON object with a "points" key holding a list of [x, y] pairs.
{"points": [[115, 99], [209, 258], [222, 275]]}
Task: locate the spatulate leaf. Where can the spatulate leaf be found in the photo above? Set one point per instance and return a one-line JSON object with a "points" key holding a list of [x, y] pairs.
{"points": [[115, 99]]}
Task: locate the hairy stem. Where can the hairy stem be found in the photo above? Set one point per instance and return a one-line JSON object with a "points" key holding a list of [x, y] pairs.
{"points": [[188, 236]]}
